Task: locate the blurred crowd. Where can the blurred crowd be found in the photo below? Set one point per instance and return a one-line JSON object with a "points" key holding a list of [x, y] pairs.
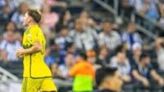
{"points": [[77, 44], [151, 10]]}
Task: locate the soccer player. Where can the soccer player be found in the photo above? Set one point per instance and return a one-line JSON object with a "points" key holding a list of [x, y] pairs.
{"points": [[37, 76]]}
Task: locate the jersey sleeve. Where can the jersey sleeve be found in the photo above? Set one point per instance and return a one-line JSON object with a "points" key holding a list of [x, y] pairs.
{"points": [[37, 36]]}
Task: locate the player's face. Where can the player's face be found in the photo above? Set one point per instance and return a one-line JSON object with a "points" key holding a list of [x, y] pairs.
{"points": [[27, 19]]}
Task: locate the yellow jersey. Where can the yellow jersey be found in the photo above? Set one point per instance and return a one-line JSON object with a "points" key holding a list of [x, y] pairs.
{"points": [[34, 65]]}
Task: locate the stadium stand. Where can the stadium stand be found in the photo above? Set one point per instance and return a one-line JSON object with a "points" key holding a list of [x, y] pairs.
{"points": [[111, 33]]}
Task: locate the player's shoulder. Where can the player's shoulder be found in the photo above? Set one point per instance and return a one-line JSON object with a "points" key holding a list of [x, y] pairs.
{"points": [[36, 29], [36, 26]]}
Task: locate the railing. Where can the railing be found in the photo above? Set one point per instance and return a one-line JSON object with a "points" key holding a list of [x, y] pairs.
{"points": [[5, 75], [106, 6], [155, 23], [114, 11]]}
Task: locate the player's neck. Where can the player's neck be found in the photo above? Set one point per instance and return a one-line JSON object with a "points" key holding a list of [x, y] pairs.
{"points": [[31, 24]]}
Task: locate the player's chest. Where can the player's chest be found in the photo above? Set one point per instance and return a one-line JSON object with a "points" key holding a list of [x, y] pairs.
{"points": [[27, 38]]}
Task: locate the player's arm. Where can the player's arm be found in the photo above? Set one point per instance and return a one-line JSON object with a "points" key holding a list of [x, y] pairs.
{"points": [[36, 47], [35, 42]]}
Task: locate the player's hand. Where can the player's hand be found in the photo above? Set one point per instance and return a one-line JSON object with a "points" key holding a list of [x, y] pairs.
{"points": [[20, 52]]}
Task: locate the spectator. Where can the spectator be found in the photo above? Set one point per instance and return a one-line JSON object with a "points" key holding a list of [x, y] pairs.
{"points": [[83, 73], [159, 49], [136, 52], [11, 26], [91, 56], [56, 55], [18, 15], [121, 62], [143, 72], [52, 54], [35, 4], [64, 68], [83, 38], [49, 19], [63, 38], [90, 23], [70, 48], [108, 37], [5, 15], [2, 3], [108, 80], [65, 20], [149, 9], [137, 4], [131, 37], [126, 9], [61, 3], [13, 4], [102, 59], [8, 47], [55, 70], [161, 19]]}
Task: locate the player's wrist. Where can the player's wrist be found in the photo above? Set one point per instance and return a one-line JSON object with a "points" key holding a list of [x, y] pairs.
{"points": [[24, 51]]}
